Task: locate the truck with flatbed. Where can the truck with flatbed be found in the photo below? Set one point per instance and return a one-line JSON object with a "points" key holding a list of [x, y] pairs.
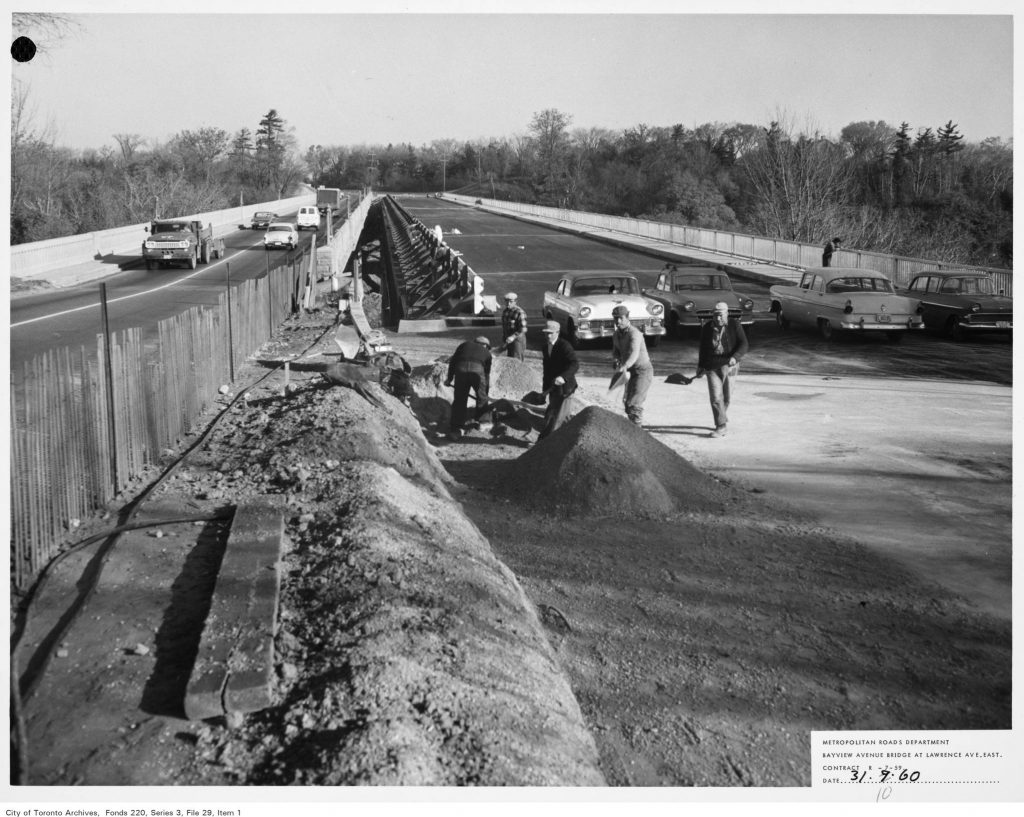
{"points": [[328, 197], [174, 241]]}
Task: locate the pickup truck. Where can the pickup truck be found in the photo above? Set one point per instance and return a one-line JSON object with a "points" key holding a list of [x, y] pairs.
{"points": [[180, 241], [582, 304], [689, 295]]}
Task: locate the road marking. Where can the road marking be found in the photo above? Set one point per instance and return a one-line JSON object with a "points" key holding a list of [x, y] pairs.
{"points": [[175, 282]]}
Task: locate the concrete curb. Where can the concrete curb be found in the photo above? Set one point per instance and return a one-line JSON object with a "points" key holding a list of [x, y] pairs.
{"points": [[233, 671]]}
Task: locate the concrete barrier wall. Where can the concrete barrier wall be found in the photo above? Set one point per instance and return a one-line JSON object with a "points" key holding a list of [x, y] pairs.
{"points": [[41, 257], [757, 248]]}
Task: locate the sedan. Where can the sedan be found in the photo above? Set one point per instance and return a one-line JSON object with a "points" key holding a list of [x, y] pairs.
{"points": [[690, 295], [281, 234], [961, 302], [582, 304], [832, 299], [262, 219]]}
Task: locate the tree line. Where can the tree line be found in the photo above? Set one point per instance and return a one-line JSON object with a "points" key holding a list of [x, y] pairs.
{"points": [[924, 193]]}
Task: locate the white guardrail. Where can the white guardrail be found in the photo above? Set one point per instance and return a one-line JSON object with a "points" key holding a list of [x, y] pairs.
{"points": [[755, 248], [41, 257]]}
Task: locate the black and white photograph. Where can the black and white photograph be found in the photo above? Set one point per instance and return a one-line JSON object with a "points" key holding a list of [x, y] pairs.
{"points": [[515, 406]]}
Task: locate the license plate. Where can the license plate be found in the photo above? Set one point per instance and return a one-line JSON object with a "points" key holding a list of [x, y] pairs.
{"points": [[168, 256], [884, 318], [1003, 324]]}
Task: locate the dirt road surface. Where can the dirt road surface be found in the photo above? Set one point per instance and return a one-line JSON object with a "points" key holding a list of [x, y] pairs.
{"points": [[846, 567]]}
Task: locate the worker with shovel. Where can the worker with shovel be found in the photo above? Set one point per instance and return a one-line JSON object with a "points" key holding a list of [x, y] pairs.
{"points": [[469, 368], [559, 378], [632, 363]]}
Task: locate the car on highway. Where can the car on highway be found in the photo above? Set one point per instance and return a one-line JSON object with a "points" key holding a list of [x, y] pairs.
{"points": [[308, 217], [958, 303], [262, 219], [689, 295], [841, 299], [582, 304], [281, 234]]}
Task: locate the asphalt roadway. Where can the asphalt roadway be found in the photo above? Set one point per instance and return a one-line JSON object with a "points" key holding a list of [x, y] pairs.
{"points": [[917, 466]]}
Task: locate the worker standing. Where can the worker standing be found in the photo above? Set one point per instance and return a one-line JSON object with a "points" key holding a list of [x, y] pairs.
{"points": [[630, 353], [513, 325]]}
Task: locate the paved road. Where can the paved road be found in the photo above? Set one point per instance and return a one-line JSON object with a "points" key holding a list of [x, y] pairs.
{"points": [[907, 448], [137, 297]]}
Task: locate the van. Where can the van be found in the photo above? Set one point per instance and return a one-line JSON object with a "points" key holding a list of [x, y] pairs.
{"points": [[308, 217]]}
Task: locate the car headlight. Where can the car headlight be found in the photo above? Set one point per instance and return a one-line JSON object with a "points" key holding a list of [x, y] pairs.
{"points": [[975, 307], [849, 307], [689, 306], [748, 304], [655, 308], [585, 311]]}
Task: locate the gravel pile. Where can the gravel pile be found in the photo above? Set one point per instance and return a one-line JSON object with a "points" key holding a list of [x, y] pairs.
{"points": [[599, 463]]}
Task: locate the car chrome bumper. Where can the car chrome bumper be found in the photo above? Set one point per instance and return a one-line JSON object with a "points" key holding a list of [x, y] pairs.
{"points": [[877, 326], [604, 329], [987, 326]]}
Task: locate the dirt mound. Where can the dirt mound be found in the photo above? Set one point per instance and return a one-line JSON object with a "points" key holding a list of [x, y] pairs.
{"points": [[600, 464]]}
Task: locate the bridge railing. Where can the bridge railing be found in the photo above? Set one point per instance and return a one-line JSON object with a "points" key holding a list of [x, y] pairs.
{"points": [[754, 248]]}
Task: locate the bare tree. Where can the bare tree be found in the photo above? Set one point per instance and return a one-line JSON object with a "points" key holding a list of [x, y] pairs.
{"points": [[129, 143]]}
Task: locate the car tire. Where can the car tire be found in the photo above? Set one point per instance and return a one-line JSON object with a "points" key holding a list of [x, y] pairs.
{"points": [[149, 266], [206, 253], [192, 263], [652, 341], [825, 328], [781, 320], [574, 339], [894, 337], [675, 326], [955, 330]]}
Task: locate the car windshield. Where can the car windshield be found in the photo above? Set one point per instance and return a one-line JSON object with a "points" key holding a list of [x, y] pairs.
{"points": [[858, 284], [694, 282], [967, 286], [606, 286], [263, 216], [280, 228], [173, 227]]}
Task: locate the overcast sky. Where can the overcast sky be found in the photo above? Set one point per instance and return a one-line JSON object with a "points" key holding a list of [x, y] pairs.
{"points": [[346, 79]]}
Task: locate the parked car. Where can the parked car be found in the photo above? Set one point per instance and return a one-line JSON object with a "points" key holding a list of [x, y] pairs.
{"points": [[262, 219], [832, 299], [961, 302], [308, 217], [689, 296], [281, 234], [582, 303]]}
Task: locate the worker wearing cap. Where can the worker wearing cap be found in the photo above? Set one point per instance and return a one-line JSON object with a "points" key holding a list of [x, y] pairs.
{"points": [[722, 344], [559, 378], [469, 368], [630, 353], [513, 324]]}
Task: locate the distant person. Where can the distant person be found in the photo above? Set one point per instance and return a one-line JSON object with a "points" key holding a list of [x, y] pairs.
{"points": [[513, 325], [630, 353], [469, 368], [722, 344], [559, 378], [830, 247]]}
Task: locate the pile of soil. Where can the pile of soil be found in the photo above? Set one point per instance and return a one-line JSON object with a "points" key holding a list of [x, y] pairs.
{"points": [[600, 464]]}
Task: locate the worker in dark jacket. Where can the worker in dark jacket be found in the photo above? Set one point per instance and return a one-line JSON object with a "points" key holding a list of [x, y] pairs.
{"points": [[469, 368], [830, 248], [559, 379], [722, 344]]}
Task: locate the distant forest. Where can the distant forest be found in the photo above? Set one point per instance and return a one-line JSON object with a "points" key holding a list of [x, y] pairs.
{"points": [[924, 191]]}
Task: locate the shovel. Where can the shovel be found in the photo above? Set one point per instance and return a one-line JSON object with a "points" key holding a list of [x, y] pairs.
{"points": [[618, 379], [537, 398], [680, 379]]}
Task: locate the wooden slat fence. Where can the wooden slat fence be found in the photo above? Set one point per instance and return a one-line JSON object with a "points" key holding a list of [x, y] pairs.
{"points": [[62, 455]]}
